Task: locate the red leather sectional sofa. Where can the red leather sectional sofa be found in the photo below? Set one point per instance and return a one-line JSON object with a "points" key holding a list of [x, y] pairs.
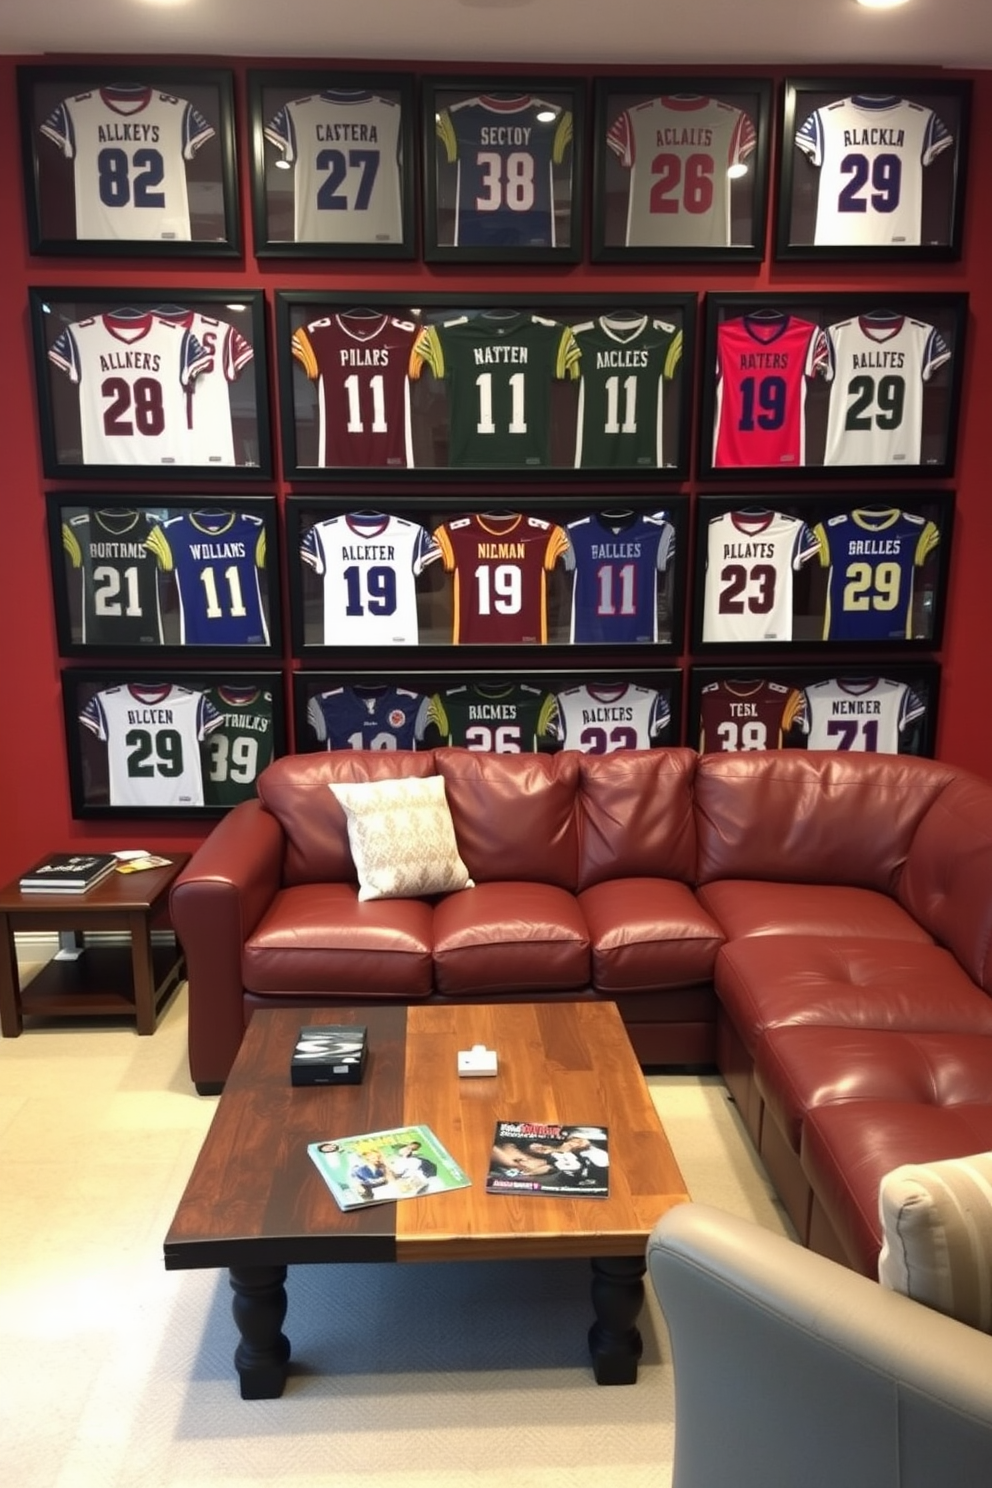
{"points": [[819, 925]]}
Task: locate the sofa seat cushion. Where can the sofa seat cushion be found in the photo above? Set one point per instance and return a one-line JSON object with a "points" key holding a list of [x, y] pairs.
{"points": [[745, 906], [510, 937], [848, 1147], [800, 1067], [319, 938], [766, 981], [648, 933]]}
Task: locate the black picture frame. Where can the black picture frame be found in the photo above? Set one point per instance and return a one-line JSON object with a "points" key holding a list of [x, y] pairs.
{"points": [[872, 168], [337, 419], [859, 571], [326, 148], [521, 199], [854, 707], [660, 145], [831, 385], [173, 577], [495, 711], [371, 576], [170, 174], [168, 743], [114, 370]]}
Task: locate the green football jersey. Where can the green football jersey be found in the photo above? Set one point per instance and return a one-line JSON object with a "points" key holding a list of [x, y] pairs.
{"points": [[626, 361], [499, 370], [240, 747], [491, 717]]}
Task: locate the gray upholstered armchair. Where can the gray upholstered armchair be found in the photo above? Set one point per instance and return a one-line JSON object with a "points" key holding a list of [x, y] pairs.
{"points": [[793, 1372]]}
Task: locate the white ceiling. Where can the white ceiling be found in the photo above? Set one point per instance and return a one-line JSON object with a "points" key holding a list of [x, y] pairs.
{"points": [[647, 33]]}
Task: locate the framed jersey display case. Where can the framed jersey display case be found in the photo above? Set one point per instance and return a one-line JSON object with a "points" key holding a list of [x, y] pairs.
{"points": [[332, 164], [128, 162], [151, 382], [177, 575], [872, 168], [865, 570], [832, 384], [503, 169], [447, 571], [160, 744], [504, 383], [680, 168], [882, 709], [495, 712]]}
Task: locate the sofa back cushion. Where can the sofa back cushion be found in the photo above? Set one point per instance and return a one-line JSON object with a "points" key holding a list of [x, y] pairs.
{"points": [[514, 814], [948, 874], [811, 816], [635, 815], [294, 790]]}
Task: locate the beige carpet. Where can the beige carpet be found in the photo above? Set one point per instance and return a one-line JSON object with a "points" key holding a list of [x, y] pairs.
{"points": [[116, 1374]]}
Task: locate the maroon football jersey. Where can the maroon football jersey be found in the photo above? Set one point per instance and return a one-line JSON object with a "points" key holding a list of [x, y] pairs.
{"points": [[360, 365], [500, 567], [738, 715]]}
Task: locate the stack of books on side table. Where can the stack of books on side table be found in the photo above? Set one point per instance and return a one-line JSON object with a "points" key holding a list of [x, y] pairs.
{"points": [[67, 873]]}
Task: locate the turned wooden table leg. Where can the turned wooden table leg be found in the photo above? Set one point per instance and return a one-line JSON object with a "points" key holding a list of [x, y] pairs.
{"points": [[259, 1307], [617, 1297]]}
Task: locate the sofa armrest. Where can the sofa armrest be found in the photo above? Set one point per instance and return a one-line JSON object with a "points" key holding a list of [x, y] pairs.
{"points": [[791, 1369], [215, 903]]}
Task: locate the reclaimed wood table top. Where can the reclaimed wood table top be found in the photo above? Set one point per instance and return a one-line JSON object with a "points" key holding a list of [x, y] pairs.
{"points": [[255, 1197]]}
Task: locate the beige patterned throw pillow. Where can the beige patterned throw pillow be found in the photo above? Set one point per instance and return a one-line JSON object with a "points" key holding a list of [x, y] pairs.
{"points": [[402, 838], [937, 1235]]}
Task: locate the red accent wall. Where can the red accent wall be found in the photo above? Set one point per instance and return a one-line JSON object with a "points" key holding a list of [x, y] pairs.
{"points": [[34, 798]]}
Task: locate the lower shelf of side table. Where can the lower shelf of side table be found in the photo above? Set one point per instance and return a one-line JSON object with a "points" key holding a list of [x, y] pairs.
{"points": [[99, 983]]}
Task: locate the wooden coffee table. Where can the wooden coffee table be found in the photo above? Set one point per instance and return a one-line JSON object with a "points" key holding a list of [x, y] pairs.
{"points": [[256, 1204]]}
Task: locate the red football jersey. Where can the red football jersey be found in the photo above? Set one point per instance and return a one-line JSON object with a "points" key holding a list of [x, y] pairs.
{"points": [[360, 365], [763, 365], [500, 567]]}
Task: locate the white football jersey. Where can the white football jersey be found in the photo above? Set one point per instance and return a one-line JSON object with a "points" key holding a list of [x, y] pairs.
{"points": [[602, 718], [879, 366], [871, 153], [751, 559], [344, 147], [867, 715], [129, 145], [209, 435], [369, 563], [133, 373], [679, 151], [153, 737]]}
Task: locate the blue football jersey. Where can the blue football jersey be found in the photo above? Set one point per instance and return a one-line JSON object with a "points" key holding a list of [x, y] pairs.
{"points": [[505, 150], [872, 556], [368, 717], [616, 563], [217, 560]]}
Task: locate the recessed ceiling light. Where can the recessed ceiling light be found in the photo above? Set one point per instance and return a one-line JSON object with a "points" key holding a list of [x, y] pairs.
{"points": [[881, 4]]}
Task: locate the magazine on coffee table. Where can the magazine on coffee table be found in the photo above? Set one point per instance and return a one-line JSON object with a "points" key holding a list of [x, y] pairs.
{"points": [[404, 1162], [543, 1157]]}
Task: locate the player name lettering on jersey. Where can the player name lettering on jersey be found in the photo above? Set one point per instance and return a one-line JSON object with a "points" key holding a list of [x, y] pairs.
{"points": [[683, 136], [484, 356], [742, 710], [873, 547], [218, 550], [620, 358], [855, 137], [505, 134], [854, 707], [130, 361], [748, 550], [364, 356], [366, 134], [260, 723], [141, 134], [368, 553], [492, 711], [150, 715], [603, 714], [752, 361], [502, 550], [118, 550]]}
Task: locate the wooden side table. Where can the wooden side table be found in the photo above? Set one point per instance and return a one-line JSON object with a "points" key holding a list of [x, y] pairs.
{"points": [[92, 981]]}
